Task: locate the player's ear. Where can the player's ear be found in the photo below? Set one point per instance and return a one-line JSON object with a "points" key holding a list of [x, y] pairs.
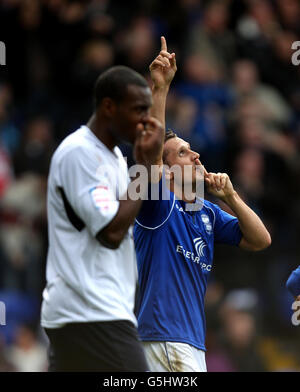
{"points": [[108, 107]]}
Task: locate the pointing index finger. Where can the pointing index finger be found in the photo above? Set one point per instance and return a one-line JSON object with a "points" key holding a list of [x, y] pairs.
{"points": [[205, 171], [163, 43]]}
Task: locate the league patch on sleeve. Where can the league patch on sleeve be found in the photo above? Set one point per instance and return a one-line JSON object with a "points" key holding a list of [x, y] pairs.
{"points": [[103, 199]]}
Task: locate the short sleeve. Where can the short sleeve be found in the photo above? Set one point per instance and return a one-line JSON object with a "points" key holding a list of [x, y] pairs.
{"points": [[226, 228], [89, 188], [158, 206], [293, 282]]}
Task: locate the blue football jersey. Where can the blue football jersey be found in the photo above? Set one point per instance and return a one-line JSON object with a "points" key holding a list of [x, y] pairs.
{"points": [[175, 251]]}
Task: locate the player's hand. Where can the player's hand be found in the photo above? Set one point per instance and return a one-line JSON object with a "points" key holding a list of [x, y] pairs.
{"points": [[149, 142], [218, 184], [163, 68]]}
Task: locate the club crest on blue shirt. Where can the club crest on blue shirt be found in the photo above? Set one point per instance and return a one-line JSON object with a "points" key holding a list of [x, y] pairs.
{"points": [[207, 224]]}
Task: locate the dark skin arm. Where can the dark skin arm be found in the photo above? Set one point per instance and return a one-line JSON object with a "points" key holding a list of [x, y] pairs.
{"points": [[113, 234]]}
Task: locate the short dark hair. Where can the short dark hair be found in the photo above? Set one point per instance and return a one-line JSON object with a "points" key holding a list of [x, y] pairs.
{"points": [[169, 135], [113, 83]]}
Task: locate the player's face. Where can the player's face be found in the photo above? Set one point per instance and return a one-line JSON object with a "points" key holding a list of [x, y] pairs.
{"points": [[132, 110], [179, 153]]}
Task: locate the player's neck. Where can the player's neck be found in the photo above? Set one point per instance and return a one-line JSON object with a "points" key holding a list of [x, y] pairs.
{"points": [[181, 193], [101, 131]]}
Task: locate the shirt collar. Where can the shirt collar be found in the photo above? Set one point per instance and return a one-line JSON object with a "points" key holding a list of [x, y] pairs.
{"points": [[97, 141], [184, 204]]}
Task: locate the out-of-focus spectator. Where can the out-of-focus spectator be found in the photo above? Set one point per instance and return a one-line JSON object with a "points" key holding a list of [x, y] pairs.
{"points": [[211, 37], [246, 84], [289, 14], [249, 177], [259, 23], [239, 337], [182, 115], [6, 175], [27, 354], [216, 358], [239, 342], [99, 22], [137, 44], [253, 128], [23, 211], [9, 134], [95, 56], [36, 147], [22, 208], [265, 157], [5, 365]]}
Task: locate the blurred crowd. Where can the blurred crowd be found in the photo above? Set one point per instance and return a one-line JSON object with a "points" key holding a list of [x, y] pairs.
{"points": [[235, 98]]}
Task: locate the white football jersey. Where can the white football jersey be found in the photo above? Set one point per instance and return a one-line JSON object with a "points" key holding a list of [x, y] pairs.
{"points": [[86, 281]]}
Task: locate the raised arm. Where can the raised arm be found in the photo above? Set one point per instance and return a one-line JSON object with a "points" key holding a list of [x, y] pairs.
{"points": [[162, 71]]}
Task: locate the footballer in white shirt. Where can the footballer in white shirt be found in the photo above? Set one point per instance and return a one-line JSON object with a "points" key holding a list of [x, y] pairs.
{"points": [[88, 301]]}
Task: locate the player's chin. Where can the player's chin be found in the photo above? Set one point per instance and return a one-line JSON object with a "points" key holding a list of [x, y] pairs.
{"points": [[188, 180], [130, 137]]}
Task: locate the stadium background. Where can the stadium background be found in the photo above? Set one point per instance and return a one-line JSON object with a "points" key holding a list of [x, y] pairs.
{"points": [[235, 97]]}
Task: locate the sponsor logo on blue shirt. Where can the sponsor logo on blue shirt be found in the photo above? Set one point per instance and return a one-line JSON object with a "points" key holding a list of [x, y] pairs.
{"points": [[190, 256]]}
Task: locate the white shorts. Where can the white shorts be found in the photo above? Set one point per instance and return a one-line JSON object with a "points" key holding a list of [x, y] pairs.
{"points": [[174, 357]]}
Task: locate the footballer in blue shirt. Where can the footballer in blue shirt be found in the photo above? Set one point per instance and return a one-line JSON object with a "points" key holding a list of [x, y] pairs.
{"points": [[175, 244]]}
